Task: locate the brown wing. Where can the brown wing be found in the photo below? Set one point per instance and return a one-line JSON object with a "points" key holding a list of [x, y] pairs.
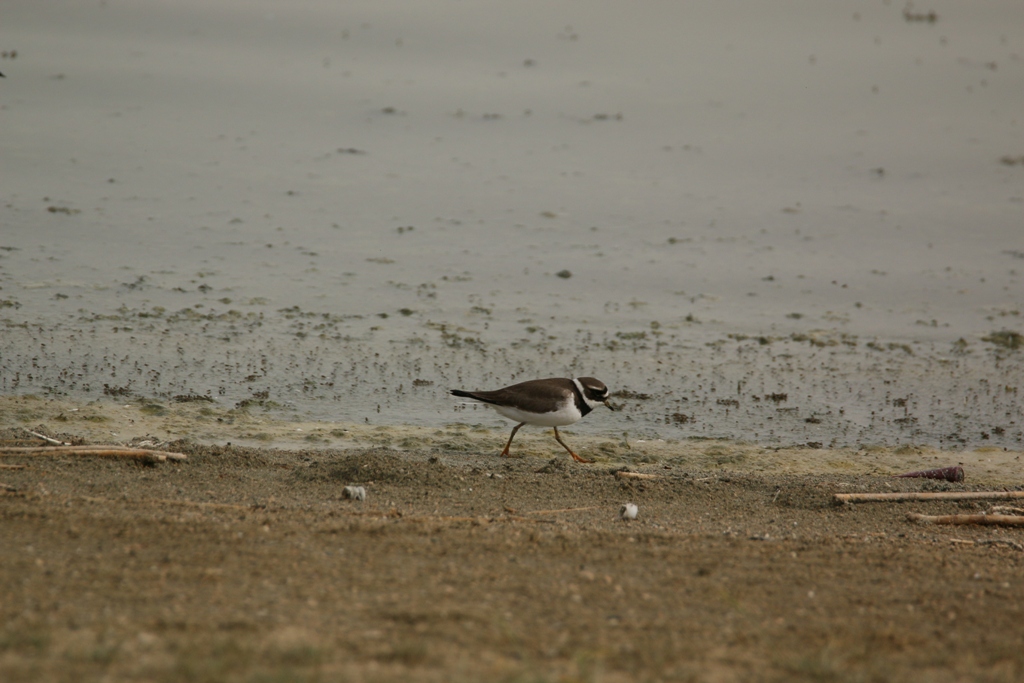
{"points": [[524, 393]]}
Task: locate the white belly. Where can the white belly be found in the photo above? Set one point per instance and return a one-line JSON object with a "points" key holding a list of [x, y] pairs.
{"points": [[566, 414]]}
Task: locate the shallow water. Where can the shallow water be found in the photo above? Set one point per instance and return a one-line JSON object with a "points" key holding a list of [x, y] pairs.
{"points": [[782, 223]]}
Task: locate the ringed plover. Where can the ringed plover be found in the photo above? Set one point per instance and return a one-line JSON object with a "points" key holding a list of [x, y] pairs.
{"points": [[553, 402]]}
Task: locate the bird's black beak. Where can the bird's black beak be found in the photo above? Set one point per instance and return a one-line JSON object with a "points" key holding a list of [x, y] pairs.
{"points": [[610, 406]]}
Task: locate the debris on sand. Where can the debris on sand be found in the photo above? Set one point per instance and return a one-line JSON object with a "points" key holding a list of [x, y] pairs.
{"points": [[954, 473]]}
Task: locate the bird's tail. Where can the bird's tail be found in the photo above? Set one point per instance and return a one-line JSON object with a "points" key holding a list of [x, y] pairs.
{"points": [[478, 397]]}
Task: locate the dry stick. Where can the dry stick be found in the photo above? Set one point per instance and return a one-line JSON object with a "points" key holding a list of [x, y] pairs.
{"points": [[987, 520], [48, 439], [622, 474], [99, 451], [914, 495], [12, 467]]}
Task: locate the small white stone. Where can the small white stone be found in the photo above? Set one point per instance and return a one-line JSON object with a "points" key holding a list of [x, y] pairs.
{"points": [[627, 512], [354, 493]]}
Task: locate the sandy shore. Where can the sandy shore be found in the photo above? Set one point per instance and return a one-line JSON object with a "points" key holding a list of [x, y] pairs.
{"points": [[246, 563]]}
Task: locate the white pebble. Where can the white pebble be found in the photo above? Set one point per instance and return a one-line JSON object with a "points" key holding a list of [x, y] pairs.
{"points": [[627, 512], [354, 493]]}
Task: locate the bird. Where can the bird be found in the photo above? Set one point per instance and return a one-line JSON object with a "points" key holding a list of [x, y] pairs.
{"points": [[553, 402]]}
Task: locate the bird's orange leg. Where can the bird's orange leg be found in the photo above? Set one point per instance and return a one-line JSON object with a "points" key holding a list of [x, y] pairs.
{"points": [[504, 453], [574, 456]]}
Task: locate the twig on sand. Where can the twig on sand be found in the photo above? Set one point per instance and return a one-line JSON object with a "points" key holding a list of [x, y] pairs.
{"points": [[623, 474], [917, 495], [140, 454], [986, 520], [48, 439], [954, 473]]}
